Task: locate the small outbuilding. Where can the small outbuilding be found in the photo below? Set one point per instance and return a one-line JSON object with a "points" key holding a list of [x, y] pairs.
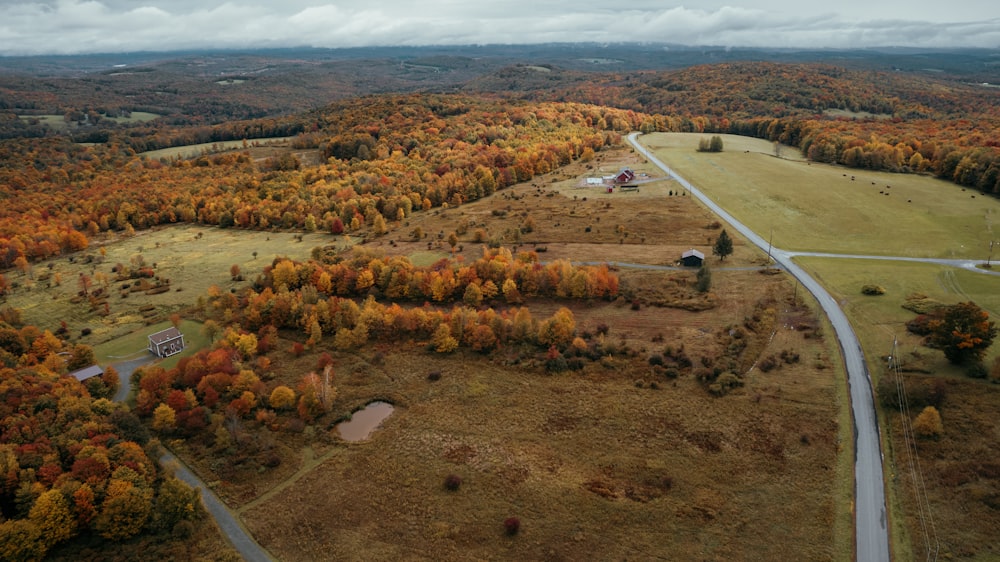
{"points": [[692, 258], [166, 342], [87, 373]]}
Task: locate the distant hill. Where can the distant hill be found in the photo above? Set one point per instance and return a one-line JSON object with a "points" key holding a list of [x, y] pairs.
{"points": [[203, 88]]}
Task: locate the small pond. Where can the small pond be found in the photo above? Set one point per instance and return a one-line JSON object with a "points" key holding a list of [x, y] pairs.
{"points": [[365, 421]]}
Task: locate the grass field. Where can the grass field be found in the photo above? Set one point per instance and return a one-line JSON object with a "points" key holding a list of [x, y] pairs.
{"points": [[818, 207], [879, 319], [193, 258], [58, 122], [135, 344], [193, 150]]}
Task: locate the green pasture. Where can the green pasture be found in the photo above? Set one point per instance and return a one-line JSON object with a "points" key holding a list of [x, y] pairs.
{"points": [[133, 345], [878, 319], [426, 258], [58, 122], [194, 150], [818, 207]]}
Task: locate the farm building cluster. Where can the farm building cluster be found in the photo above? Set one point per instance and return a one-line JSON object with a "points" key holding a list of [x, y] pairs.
{"points": [[622, 180]]}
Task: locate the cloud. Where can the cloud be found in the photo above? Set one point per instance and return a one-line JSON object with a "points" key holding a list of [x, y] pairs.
{"points": [[92, 26]]}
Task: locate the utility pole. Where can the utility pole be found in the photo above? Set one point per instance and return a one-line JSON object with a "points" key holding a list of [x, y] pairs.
{"points": [[770, 236]]}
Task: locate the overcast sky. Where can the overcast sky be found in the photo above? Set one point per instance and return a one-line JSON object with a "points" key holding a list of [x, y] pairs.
{"points": [[101, 26]]}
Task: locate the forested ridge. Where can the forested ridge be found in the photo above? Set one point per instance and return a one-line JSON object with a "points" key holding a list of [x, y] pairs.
{"points": [[387, 157]]}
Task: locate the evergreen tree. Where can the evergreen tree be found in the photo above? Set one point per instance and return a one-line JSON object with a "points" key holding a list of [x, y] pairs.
{"points": [[723, 245]]}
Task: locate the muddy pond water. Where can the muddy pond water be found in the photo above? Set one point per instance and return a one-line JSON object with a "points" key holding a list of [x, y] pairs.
{"points": [[364, 422]]}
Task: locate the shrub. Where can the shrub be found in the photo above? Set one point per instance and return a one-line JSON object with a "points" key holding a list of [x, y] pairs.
{"points": [[452, 482], [873, 290], [511, 526], [434, 376], [977, 370], [656, 359], [921, 325], [928, 423], [768, 364]]}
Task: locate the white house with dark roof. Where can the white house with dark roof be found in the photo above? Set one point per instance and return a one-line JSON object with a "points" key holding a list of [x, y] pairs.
{"points": [[166, 342]]}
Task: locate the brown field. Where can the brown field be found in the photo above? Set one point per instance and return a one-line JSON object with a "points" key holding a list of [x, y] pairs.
{"points": [[958, 472]]}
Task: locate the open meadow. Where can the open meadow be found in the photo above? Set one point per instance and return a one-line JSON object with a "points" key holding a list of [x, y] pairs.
{"points": [[820, 208], [185, 261]]}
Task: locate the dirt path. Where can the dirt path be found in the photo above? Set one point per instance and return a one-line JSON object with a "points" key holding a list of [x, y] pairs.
{"points": [[309, 462]]}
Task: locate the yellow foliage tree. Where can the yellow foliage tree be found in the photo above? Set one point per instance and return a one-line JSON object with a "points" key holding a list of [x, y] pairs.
{"points": [[164, 418], [928, 423], [51, 513], [282, 398], [20, 539], [124, 512], [443, 341]]}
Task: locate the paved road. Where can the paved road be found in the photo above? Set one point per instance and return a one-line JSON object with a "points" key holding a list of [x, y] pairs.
{"points": [[125, 370], [227, 522], [871, 534], [230, 526]]}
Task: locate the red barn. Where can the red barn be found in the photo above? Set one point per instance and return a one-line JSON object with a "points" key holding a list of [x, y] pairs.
{"points": [[624, 176]]}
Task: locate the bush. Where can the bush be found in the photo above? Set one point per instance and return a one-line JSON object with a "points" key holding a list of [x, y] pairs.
{"points": [[768, 364], [977, 370], [928, 424], [511, 526], [921, 325], [873, 290], [452, 482], [434, 376], [656, 359]]}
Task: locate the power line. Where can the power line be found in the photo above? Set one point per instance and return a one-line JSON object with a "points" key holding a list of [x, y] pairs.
{"points": [[931, 545]]}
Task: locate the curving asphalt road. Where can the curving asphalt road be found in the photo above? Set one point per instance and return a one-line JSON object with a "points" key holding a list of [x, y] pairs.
{"points": [[230, 526], [227, 522], [871, 535]]}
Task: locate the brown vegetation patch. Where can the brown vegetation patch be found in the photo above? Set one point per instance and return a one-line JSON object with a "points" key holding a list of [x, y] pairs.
{"points": [[959, 470]]}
